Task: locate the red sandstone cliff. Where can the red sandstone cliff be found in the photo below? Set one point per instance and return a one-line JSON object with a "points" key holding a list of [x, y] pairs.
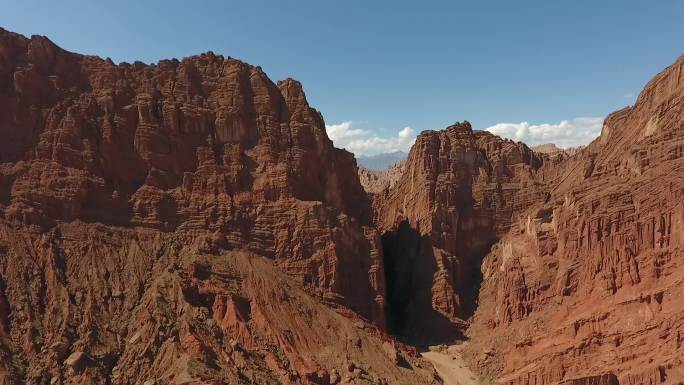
{"points": [[457, 193], [202, 144], [191, 222], [589, 282], [582, 278], [141, 210]]}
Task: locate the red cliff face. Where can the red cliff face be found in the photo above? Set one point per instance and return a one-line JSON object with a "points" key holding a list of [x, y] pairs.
{"points": [[205, 144], [190, 222], [457, 193], [133, 201], [589, 281]]}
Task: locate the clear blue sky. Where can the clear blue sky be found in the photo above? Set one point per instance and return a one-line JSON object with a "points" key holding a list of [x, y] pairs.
{"points": [[385, 65]]}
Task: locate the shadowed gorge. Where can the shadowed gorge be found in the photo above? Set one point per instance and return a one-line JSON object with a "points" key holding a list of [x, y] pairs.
{"points": [[459, 191], [401, 289], [409, 273], [408, 278]]}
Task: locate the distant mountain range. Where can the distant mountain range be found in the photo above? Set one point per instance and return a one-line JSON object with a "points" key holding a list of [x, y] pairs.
{"points": [[380, 161]]}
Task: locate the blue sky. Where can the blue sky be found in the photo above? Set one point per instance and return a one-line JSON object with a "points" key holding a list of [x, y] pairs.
{"points": [[377, 67]]}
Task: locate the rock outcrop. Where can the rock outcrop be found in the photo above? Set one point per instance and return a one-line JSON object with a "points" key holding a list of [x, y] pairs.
{"points": [[457, 193], [588, 281], [142, 208]]}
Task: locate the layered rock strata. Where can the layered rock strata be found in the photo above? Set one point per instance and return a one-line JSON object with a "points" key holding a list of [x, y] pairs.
{"points": [[588, 281], [457, 194], [137, 204]]}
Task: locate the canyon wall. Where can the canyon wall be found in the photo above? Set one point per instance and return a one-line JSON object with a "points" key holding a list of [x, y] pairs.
{"points": [[579, 251], [143, 209], [457, 194], [190, 222], [589, 281]]}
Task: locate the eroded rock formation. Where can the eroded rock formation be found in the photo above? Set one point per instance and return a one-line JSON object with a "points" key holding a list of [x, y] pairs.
{"points": [[457, 193], [588, 282], [191, 222], [375, 182], [582, 278], [140, 206]]}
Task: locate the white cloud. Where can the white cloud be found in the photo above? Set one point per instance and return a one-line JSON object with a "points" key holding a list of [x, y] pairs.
{"points": [[364, 142], [577, 132], [567, 133]]}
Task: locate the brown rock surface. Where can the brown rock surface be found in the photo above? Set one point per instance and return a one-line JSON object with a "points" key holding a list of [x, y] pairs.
{"points": [[143, 209], [457, 193], [190, 222], [589, 282]]}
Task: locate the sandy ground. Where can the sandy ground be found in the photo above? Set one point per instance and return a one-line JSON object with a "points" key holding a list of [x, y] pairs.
{"points": [[450, 366]]}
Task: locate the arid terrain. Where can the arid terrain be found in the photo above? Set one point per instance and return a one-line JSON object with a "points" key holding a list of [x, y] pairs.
{"points": [[191, 222]]}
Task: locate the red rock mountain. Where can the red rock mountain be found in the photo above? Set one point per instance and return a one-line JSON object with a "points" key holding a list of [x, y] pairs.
{"points": [[589, 281], [582, 267], [190, 222], [457, 194], [203, 144], [142, 208]]}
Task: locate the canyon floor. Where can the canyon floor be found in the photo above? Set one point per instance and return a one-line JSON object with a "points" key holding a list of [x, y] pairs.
{"points": [[451, 366]]}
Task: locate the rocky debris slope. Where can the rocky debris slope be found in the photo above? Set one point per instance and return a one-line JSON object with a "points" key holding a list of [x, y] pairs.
{"points": [[95, 304], [458, 192], [588, 281], [130, 194]]}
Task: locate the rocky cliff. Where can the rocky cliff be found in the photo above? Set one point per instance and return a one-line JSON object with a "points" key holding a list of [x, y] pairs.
{"points": [[142, 208], [457, 194], [378, 181], [580, 277], [588, 281], [190, 222]]}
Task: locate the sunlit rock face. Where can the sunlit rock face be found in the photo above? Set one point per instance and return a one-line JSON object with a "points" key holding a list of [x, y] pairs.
{"points": [[587, 282], [569, 259], [458, 193], [116, 184]]}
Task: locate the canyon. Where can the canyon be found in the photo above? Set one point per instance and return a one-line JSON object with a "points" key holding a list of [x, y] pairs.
{"points": [[190, 222]]}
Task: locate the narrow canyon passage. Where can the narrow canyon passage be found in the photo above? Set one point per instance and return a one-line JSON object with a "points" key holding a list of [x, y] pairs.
{"points": [[401, 253], [412, 273]]}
